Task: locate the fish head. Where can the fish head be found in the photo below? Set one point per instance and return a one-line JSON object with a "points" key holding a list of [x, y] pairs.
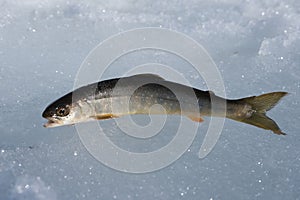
{"points": [[57, 115], [63, 112]]}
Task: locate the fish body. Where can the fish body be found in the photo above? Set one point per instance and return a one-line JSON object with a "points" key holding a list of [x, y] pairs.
{"points": [[139, 93]]}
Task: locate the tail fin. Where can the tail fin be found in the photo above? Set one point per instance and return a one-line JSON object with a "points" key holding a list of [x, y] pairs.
{"points": [[260, 105]]}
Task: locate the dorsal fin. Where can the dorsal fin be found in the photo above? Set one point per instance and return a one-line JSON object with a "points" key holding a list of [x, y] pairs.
{"points": [[149, 76]]}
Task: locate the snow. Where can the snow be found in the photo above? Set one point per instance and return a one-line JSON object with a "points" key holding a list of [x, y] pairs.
{"points": [[255, 44]]}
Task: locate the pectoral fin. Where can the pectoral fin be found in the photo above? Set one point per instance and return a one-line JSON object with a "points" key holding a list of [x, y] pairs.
{"points": [[105, 116], [196, 119]]}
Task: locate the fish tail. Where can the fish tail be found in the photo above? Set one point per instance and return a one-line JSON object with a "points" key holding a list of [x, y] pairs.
{"points": [[259, 106]]}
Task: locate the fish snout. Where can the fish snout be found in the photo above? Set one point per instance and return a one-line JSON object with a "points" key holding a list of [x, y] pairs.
{"points": [[48, 112]]}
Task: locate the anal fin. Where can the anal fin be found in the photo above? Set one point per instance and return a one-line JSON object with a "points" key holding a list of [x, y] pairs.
{"points": [[196, 119]]}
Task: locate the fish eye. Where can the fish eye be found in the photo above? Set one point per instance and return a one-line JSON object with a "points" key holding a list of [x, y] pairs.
{"points": [[62, 111]]}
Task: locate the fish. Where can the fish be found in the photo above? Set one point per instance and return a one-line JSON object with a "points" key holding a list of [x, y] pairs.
{"points": [[137, 94]]}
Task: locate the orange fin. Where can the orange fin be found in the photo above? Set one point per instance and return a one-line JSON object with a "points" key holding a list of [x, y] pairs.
{"points": [[105, 116], [196, 119]]}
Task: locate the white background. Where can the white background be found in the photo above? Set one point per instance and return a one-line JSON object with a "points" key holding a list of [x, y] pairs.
{"points": [[255, 44]]}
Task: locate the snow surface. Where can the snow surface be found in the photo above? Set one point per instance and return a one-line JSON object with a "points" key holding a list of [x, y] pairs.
{"points": [[256, 45]]}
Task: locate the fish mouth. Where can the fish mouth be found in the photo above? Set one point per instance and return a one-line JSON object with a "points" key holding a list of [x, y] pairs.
{"points": [[52, 122]]}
